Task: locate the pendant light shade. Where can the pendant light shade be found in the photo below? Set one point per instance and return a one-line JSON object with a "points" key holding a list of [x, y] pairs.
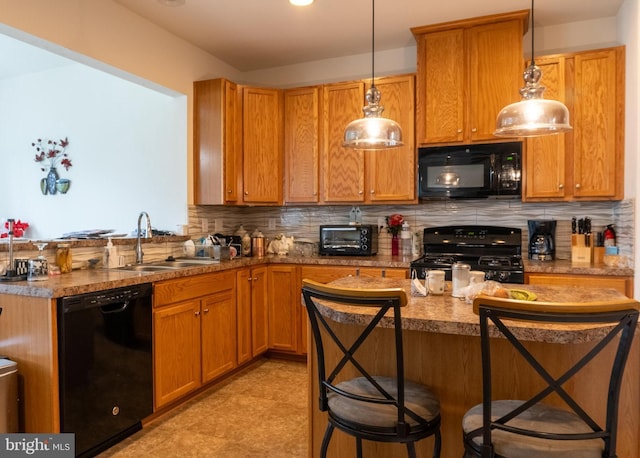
{"points": [[373, 131], [533, 115]]}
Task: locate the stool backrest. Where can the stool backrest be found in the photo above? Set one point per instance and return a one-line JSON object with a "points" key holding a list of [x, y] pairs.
{"points": [[383, 300], [503, 318]]}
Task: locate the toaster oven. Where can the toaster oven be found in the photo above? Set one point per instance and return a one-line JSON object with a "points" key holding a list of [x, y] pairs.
{"points": [[347, 240]]}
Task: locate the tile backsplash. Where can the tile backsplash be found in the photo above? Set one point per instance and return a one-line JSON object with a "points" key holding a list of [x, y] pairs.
{"points": [[302, 221]]}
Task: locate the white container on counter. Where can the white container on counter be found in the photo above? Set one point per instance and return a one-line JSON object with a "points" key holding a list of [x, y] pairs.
{"points": [[459, 278]]}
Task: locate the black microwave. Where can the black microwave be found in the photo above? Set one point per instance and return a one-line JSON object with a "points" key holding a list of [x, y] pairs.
{"points": [[470, 171], [341, 240]]}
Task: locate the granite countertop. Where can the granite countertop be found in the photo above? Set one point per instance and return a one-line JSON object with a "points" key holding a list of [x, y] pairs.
{"points": [[448, 315], [89, 280]]}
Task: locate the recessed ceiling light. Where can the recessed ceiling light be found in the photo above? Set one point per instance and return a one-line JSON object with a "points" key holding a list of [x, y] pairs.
{"points": [[301, 2], [172, 2]]}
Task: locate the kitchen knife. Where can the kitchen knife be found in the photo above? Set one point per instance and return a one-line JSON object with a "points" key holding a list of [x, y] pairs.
{"points": [[574, 223]]}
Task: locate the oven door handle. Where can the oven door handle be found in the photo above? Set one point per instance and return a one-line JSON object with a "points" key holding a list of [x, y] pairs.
{"points": [[125, 305]]}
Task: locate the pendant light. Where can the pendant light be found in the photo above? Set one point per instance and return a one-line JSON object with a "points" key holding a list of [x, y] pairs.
{"points": [[373, 131], [533, 115]]}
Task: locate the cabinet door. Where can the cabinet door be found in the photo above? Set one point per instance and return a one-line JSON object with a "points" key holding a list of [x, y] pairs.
{"points": [[598, 125], [391, 172], [440, 88], [259, 311], [495, 74], [261, 143], [176, 350], [217, 141], [284, 308], [301, 144], [383, 272], [232, 143], [243, 301], [218, 334], [343, 168], [545, 157]]}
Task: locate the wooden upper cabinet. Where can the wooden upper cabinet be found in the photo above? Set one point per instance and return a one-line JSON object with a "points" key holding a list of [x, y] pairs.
{"points": [[440, 88], [467, 72], [391, 172], [588, 162], [262, 146], [343, 168], [302, 145], [377, 176], [598, 137], [545, 157], [217, 143]]}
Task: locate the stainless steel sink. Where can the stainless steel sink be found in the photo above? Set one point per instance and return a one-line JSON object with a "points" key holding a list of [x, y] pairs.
{"points": [[147, 268], [160, 266], [187, 262]]}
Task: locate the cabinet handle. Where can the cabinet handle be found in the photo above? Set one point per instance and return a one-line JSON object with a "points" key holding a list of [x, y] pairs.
{"points": [[255, 279], [384, 273], [228, 191], [560, 186], [249, 278], [361, 192], [459, 131], [315, 193], [206, 310], [578, 186], [474, 130], [372, 191], [197, 313], [246, 193]]}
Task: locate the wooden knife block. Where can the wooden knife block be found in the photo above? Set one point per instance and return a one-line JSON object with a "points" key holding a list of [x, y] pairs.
{"points": [[581, 253]]}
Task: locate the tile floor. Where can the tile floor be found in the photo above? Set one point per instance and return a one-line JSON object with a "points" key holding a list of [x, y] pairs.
{"points": [[260, 412]]}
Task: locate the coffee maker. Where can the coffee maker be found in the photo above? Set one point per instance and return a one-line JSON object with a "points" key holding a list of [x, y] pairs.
{"points": [[542, 245]]}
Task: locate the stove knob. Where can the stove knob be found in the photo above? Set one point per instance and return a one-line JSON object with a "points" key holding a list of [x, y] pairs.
{"points": [[489, 274], [503, 276]]}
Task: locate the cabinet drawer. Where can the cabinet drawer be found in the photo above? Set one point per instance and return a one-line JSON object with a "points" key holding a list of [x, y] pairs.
{"points": [[181, 289], [622, 284]]}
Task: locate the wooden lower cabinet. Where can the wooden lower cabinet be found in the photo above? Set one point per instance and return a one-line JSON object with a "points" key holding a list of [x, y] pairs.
{"points": [[194, 337], [253, 312], [620, 283], [285, 310]]}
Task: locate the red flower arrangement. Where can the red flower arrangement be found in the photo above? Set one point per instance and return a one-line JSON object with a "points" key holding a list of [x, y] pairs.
{"points": [[53, 151], [394, 223], [18, 229]]}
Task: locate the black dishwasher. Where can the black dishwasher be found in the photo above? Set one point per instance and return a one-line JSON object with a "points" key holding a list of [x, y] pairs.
{"points": [[105, 365]]}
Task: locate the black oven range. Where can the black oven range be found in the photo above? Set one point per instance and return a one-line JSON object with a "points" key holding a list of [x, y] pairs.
{"points": [[495, 250]]}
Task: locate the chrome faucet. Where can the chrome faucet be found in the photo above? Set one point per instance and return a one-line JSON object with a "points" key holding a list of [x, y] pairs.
{"points": [[147, 235]]}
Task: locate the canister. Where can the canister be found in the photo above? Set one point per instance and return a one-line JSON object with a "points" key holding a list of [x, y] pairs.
{"points": [[459, 278], [257, 245], [64, 258]]}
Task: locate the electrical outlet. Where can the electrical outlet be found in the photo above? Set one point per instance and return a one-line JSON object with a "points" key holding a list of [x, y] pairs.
{"points": [[272, 223], [381, 221], [219, 225], [205, 225]]}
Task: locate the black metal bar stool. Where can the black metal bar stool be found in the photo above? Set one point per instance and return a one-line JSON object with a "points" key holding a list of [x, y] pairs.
{"points": [[384, 408], [530, 428]]}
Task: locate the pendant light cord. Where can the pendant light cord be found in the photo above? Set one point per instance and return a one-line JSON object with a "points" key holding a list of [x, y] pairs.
{"points": [[373, 39], [533, 58]]}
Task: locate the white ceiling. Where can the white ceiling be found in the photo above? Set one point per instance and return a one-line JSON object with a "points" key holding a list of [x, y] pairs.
{"points": [[259, 34]]}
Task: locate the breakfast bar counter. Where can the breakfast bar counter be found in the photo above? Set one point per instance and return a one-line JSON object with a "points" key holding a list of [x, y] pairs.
{"points": [[442, 350]]}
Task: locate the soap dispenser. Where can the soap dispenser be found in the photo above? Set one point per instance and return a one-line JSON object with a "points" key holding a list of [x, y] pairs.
{"points": [[110, 258]]}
